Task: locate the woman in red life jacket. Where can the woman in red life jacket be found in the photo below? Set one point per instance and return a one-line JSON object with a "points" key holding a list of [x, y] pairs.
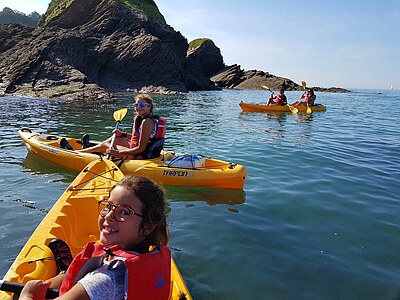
{"points": [[308, 97], [147, 137], [278, 100], [131, 258]]}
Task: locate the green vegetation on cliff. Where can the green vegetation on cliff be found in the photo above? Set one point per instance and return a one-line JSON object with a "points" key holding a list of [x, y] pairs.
{"points": [[198, 42], [55, 8], [148, 7]]}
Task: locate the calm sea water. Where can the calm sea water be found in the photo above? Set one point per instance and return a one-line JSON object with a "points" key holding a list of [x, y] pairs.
{"points": [[319, 214]]}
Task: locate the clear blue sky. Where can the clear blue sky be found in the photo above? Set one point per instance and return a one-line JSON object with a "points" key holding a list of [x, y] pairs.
{"points": [[344, 43]]}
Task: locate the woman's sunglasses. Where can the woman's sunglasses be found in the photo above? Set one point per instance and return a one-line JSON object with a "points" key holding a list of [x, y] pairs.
{"points": [[142, 105]]}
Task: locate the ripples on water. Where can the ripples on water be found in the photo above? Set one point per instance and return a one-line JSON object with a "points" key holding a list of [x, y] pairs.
{"points": [[318, 218]]}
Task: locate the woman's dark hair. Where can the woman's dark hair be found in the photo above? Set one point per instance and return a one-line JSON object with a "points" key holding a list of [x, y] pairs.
{"points": [[154, 208]]}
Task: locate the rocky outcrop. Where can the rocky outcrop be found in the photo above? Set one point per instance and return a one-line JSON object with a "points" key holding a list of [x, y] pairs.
{"points": [[12, 34], [95, 45], [331, 89], [203, 59], [234, 77], [228, 77]]}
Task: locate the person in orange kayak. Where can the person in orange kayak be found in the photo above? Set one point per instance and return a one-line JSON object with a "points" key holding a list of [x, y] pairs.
{"points": [[131, 259], [147, 137], [308, 99], [280, 99]]}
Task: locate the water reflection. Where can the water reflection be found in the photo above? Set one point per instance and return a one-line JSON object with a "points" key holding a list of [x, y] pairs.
{"points": [[305, 118], [305, 128], [281, 118], [276, 122], [209, 195], [273, 128], [36, 165]]}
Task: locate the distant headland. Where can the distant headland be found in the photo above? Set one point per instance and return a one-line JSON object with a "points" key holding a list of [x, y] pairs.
{"points": [[92, 48]]}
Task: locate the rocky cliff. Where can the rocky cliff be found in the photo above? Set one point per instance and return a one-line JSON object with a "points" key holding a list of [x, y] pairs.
{"points": [[236, 78], [203, 59], [93, 47], [12, 34]]}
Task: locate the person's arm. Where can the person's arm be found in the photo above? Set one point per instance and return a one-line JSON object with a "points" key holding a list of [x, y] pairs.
{"points": [[146, 128], [127, 135], [119, 133], [77, 292], [34, 289]]}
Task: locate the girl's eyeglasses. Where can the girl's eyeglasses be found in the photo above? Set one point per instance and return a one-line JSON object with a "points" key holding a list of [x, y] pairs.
{"points": [[141, 104], [121, 213]]}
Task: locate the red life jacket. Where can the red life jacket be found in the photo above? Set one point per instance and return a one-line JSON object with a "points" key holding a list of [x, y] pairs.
{"points": [[149, 274], [310, 99], [156, 142], [279, 99]]}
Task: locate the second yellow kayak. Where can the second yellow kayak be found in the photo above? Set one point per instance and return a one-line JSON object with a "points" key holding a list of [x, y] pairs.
{"points": [[213, 173]]}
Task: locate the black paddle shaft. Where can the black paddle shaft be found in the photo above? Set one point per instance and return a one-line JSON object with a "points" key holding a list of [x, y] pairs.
{"points": [[13, 287]]}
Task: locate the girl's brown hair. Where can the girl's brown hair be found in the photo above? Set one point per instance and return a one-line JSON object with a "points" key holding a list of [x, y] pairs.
{"points": [[146, 98], [154, 211]]}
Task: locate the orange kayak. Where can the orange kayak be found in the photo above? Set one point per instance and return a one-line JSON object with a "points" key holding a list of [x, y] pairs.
{"points": [[253, 107]]}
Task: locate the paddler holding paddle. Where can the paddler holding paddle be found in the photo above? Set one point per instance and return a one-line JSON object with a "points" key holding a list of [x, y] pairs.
{"points": [[280, 99]]}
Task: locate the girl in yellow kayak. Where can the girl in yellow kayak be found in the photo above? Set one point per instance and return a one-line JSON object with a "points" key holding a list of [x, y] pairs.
{"points": [[145, 141], [131, 258]]}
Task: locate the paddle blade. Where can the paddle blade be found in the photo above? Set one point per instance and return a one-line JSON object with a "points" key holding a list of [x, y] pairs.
{"points": [[303, 84], [293, 109], [265, 87], [308, 111], [120, 114]]}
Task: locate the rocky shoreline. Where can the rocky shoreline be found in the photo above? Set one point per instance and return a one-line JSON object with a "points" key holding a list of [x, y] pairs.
{"points": [[93, 48]]}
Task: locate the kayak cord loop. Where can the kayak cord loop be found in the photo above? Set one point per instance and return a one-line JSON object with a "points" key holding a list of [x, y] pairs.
{"points": [[74, 188], [41, 259]]}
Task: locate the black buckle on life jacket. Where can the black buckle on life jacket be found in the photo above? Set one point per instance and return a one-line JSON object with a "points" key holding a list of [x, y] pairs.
{"points": [[108, 251]]}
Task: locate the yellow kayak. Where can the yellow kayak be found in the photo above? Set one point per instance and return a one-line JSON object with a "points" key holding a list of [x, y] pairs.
{"points": [[73, 219], [253, 107], [213, 173]]}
